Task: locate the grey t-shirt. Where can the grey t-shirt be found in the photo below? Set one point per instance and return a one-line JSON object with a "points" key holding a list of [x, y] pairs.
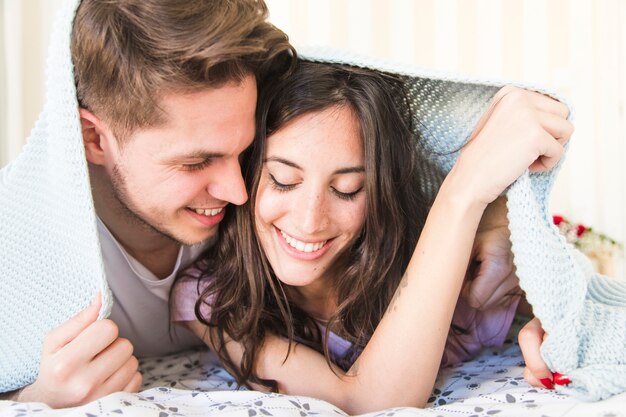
{"points": [[141, 308]]}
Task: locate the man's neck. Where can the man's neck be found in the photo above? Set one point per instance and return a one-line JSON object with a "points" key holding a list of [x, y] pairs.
{"points": [[149, 247]]}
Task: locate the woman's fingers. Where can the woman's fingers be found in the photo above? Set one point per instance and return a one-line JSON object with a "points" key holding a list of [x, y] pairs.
{"points": [[552, 118], [530, 339], [522, 130], [533, 381], [551, 152], [548, 104], [559, 128]]}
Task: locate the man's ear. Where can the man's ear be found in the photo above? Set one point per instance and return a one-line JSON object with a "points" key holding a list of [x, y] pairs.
{"points": [[96, 137]]}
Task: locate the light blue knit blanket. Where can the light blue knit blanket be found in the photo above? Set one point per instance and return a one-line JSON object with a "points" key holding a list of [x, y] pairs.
{"points": [[51, 265], [50, 260]]}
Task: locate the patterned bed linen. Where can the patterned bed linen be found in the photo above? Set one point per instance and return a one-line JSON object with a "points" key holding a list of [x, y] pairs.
{"points": [[193, 384]]}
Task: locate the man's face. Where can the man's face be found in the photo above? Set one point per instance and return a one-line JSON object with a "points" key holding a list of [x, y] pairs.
{"points": [[179, 177]]}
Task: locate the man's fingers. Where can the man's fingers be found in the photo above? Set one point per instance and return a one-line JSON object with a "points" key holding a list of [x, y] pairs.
{"points": [[118, 381], [68, 331], [88, 344], [123, 379], [135, 383], [114, 357], [530, 339]]}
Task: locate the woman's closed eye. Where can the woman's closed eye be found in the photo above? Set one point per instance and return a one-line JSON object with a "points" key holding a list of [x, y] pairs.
{"points": [[344, 195], [279, 186], [348, 196]]}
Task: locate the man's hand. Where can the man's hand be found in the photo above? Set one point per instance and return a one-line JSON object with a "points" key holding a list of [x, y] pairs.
{"points": [[83, 360], [491, 279]]}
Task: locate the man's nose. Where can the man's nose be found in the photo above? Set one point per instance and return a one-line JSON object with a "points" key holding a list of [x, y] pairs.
{"points": [[228, 185]]}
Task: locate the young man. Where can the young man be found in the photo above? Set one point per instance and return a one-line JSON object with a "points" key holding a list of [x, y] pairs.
{"points": [[167, 96]]}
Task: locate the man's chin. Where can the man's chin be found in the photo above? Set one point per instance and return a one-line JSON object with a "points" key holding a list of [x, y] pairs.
{"points": [[191, 238]]}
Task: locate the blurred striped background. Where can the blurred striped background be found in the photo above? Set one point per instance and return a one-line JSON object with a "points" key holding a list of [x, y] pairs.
{"points": [[576, 47]]}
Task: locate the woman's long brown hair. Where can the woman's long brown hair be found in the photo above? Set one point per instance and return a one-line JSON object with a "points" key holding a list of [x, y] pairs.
{"points": [[246, 299]]}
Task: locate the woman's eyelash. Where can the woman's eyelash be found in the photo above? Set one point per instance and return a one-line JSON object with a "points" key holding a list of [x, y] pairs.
{"points": [[347, 196], [287, 187], [279, 186]]}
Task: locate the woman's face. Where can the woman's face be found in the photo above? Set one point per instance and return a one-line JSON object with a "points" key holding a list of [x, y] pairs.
{"points": [[310, 203]]}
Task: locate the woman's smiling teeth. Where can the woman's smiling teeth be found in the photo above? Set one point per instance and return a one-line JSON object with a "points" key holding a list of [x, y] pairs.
{"points": [[209, 212], [301, 246]]}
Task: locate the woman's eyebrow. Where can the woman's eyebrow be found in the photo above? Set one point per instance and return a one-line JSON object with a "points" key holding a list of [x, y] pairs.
{"points": [[348, 170], [283, 161]]}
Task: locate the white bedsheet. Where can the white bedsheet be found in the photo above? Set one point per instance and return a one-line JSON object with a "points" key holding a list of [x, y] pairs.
{"points": [[193, 384]]}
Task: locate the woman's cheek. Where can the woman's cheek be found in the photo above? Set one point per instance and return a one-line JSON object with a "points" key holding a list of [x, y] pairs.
{"points": [[356, 216], [268, 205]]}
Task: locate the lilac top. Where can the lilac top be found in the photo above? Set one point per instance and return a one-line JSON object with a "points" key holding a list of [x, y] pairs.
{"points": [[482, 329]]}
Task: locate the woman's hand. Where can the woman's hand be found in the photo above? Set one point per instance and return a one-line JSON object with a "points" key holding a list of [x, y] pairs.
{"points": [[537, 372], [521, 130]]}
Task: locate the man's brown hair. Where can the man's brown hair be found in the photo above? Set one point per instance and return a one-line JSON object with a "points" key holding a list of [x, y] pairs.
{"points": [[128, 53]]}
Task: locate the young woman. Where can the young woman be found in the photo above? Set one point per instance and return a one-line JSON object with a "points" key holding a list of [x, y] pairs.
{"points": [[317, 286]]}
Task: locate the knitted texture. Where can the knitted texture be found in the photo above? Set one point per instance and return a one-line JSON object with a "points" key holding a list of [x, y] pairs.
{"points": [[51, 265], [584, 313], [50, 262]]}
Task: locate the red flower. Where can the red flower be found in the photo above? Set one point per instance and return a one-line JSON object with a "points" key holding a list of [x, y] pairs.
{"points": [[580, 229], [557, 219]]}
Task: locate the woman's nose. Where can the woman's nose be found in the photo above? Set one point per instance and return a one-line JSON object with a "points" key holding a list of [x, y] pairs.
{"points": [[313, 212]]}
